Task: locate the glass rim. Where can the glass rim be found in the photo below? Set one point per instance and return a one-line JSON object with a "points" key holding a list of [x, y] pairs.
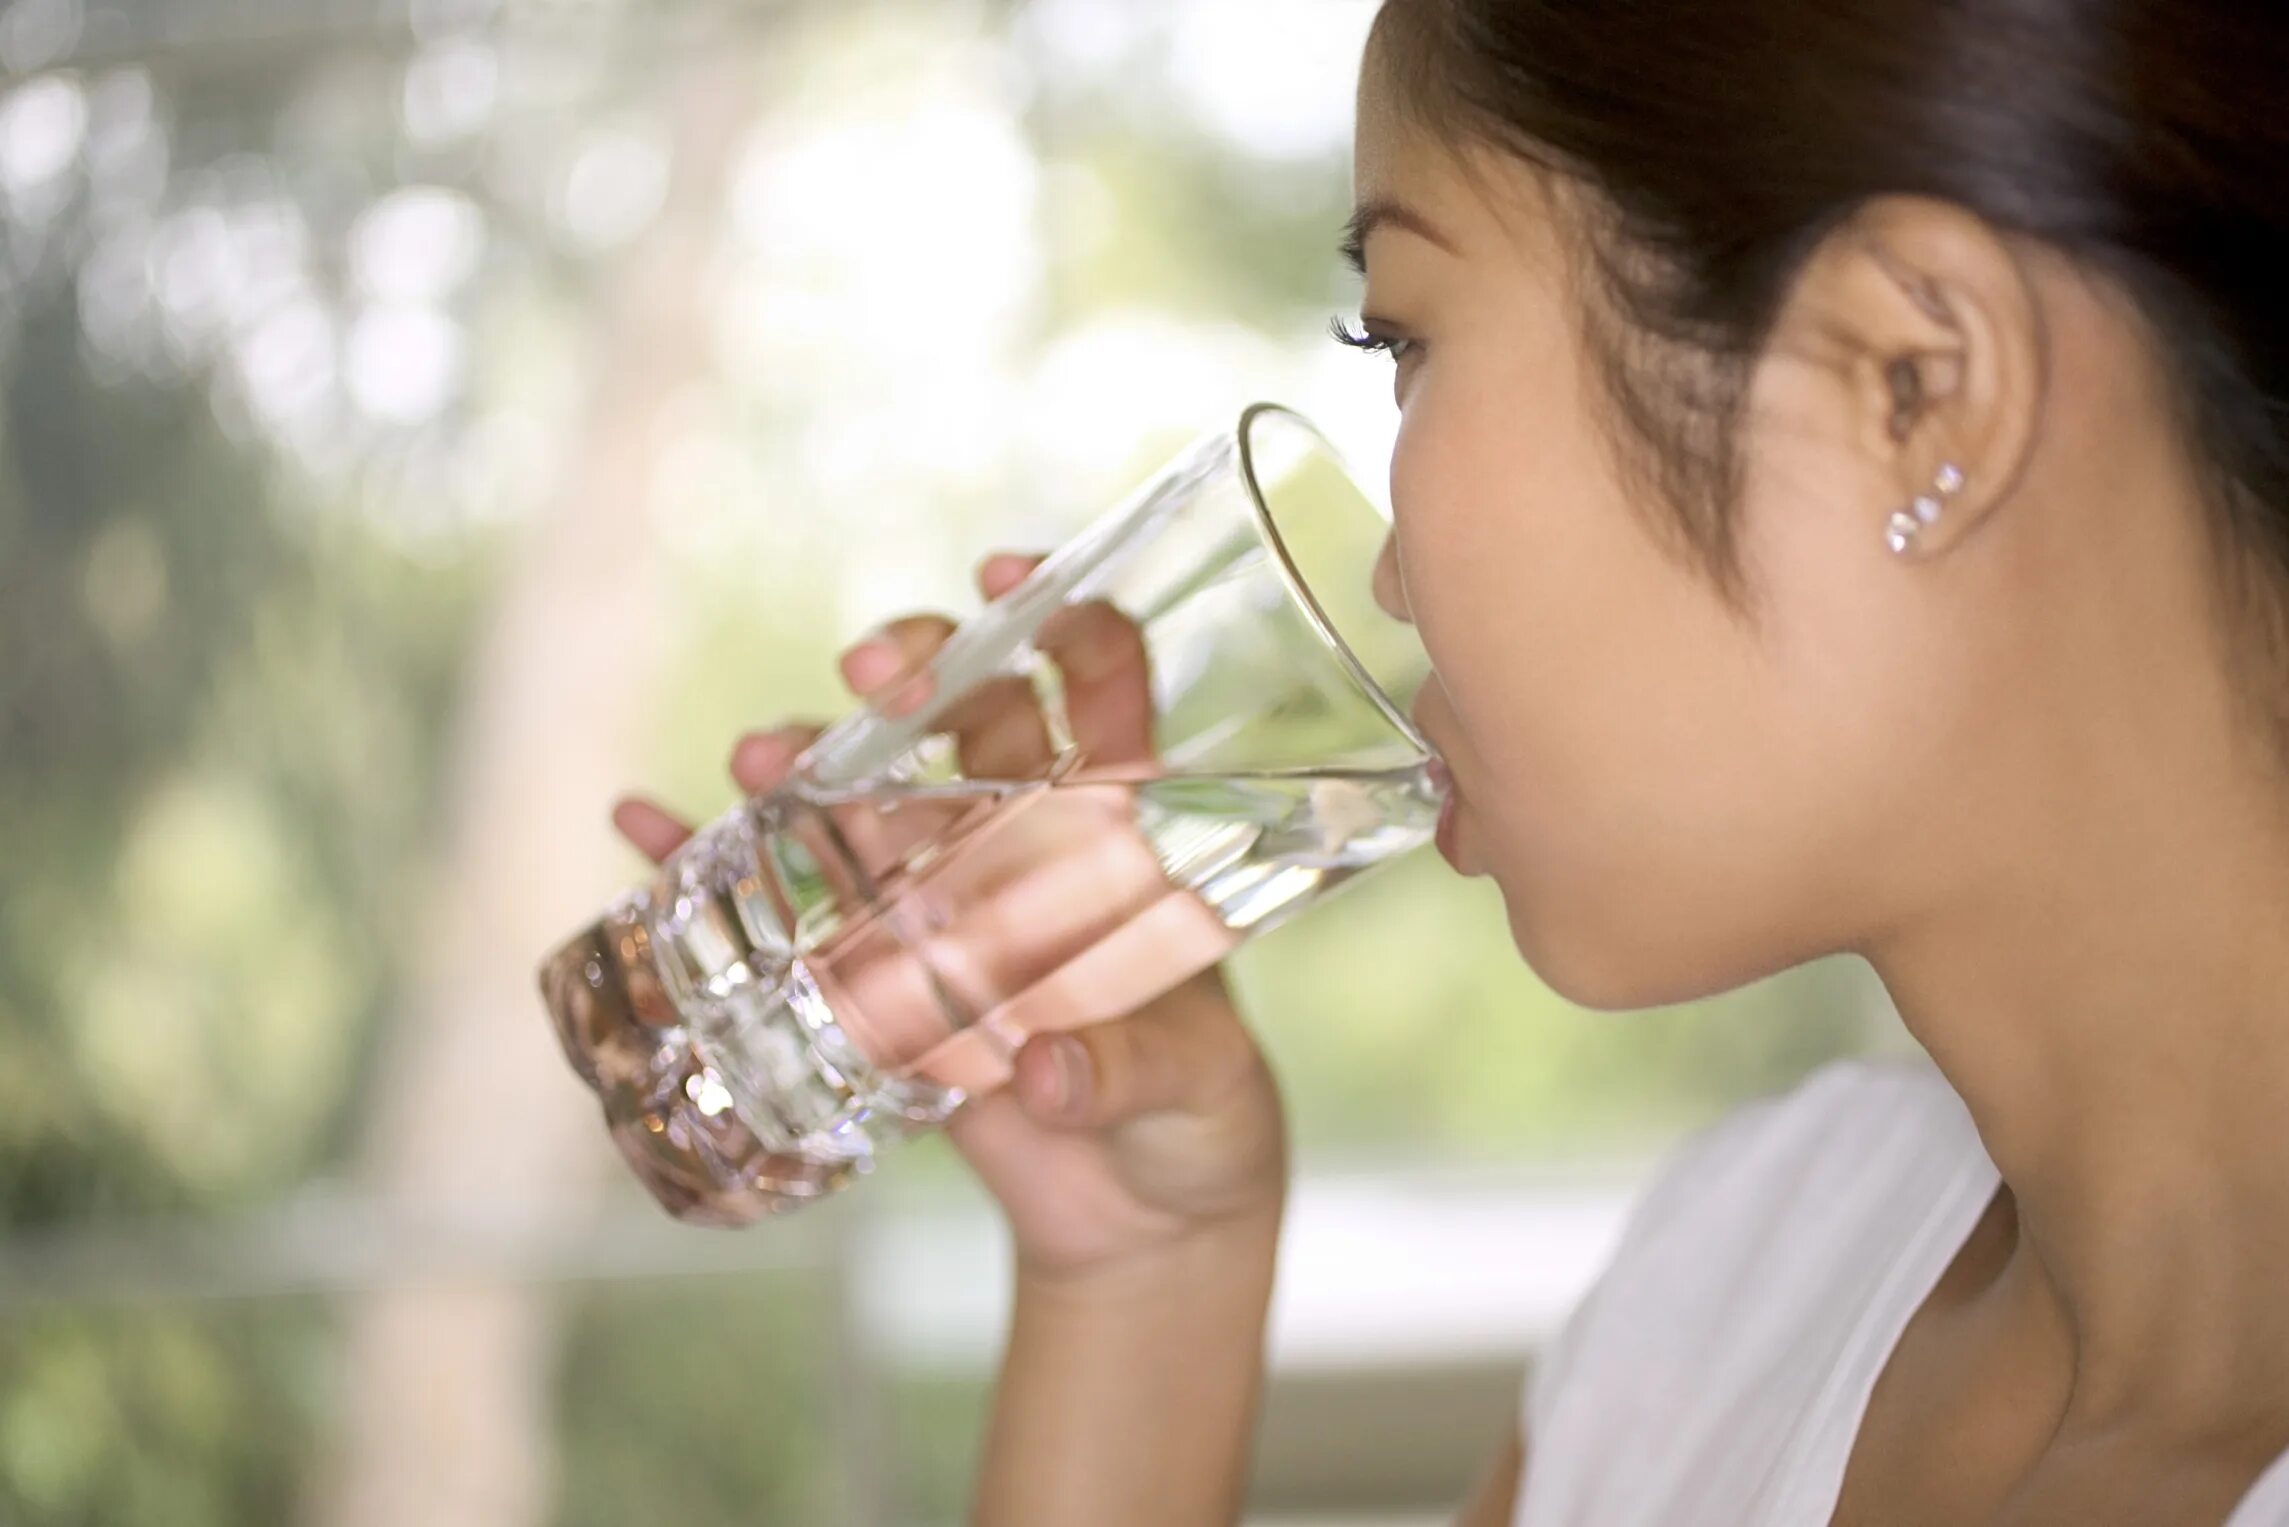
{"points": [[1297, 588]]}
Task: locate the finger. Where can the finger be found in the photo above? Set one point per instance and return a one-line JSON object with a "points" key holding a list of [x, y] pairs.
{"points": [[999, 730], [761, 760], [886, 667], [1186, 1053], [1021, 741], [997, 724], [851, 842], [1101, 653], [655, 832], [1005, 570]]}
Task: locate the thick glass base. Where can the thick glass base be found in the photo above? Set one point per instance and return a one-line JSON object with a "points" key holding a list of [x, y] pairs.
{"points": [[673, 1080]]}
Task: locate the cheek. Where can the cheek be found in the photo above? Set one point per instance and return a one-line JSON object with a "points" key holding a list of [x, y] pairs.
{"points": [[1481, 455], [1540, 605], [1615, 735], [1454, 491]]}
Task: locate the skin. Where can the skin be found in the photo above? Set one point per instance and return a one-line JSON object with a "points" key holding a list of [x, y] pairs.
{"points": [[2014, 773]]}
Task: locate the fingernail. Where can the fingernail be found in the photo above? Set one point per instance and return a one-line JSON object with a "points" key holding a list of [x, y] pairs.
{"points": [[767, 752], [1003, 572], [1070, 1064]]}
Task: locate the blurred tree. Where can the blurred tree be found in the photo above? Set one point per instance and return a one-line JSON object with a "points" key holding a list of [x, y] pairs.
{"points": [[214, 726], [464, 1120]]}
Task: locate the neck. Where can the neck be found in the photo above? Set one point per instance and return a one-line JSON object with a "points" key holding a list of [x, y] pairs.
{"points": [[2111, 999]]}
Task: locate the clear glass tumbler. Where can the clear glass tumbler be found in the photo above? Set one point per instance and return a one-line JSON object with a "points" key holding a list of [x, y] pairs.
{"points": [[838, 964]]}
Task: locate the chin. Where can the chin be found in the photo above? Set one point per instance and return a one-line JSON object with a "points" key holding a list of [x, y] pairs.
{"points": [[1623, 966]]}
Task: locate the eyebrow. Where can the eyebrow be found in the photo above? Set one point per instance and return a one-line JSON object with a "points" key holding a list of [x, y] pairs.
{"points": [[1382, 212]]}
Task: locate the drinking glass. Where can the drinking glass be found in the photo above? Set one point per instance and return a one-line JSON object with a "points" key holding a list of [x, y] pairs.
{"points": [[838, 964]]}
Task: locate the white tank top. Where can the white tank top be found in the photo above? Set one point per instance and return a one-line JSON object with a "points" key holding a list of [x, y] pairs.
{"points": [[1717, 1372]]}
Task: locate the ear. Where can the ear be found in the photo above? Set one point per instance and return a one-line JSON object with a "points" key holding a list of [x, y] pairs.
{"points": [[1929, 324]]}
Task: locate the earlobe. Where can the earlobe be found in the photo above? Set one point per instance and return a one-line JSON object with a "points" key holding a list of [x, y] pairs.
{"points": [[1946, 340], [1905, 531]]}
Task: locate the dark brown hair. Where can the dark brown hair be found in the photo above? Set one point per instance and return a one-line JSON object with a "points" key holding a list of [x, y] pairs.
{"points": [[1717, 141]]}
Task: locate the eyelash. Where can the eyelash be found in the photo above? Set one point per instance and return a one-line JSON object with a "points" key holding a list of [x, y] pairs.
{"points": [[1373, 344]]}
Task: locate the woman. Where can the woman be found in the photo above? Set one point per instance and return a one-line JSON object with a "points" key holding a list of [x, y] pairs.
{"points": [[1843, 487]]}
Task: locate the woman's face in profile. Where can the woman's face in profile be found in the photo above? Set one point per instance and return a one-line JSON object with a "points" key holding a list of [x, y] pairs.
{"points": [[1671, 802]]}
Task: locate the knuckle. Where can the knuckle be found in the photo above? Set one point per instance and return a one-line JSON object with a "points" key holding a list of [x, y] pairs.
{"points": [[925, 629], [1092, 640], [1008, 748], [990, 701]]}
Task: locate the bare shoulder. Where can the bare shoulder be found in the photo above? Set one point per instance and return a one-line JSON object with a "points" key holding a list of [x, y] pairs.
{"points": [[1494, 1499]]}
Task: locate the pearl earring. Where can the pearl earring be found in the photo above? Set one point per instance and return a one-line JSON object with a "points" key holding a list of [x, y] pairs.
{"points": [[1909, 523]]}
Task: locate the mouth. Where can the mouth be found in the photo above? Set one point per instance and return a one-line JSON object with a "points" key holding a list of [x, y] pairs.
{"points": [[1446, 835]]}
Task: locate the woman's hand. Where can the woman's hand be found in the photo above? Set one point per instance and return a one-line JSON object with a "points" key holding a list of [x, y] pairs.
{"points": [[1121, 1143]]}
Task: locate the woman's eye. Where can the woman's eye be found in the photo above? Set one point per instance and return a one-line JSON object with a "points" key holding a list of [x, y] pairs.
{"points": [[1372, 341]]}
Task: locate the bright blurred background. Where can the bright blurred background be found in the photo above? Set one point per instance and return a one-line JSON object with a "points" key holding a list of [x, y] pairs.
{"points": [[422, 419]]}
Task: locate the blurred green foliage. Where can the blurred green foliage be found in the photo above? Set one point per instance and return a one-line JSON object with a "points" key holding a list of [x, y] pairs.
{"points": [[698, 1402], [193, 1418], [218, 742]]}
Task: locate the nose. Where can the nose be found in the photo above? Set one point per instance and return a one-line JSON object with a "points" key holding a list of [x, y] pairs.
{"points": [[1390, 597]]}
